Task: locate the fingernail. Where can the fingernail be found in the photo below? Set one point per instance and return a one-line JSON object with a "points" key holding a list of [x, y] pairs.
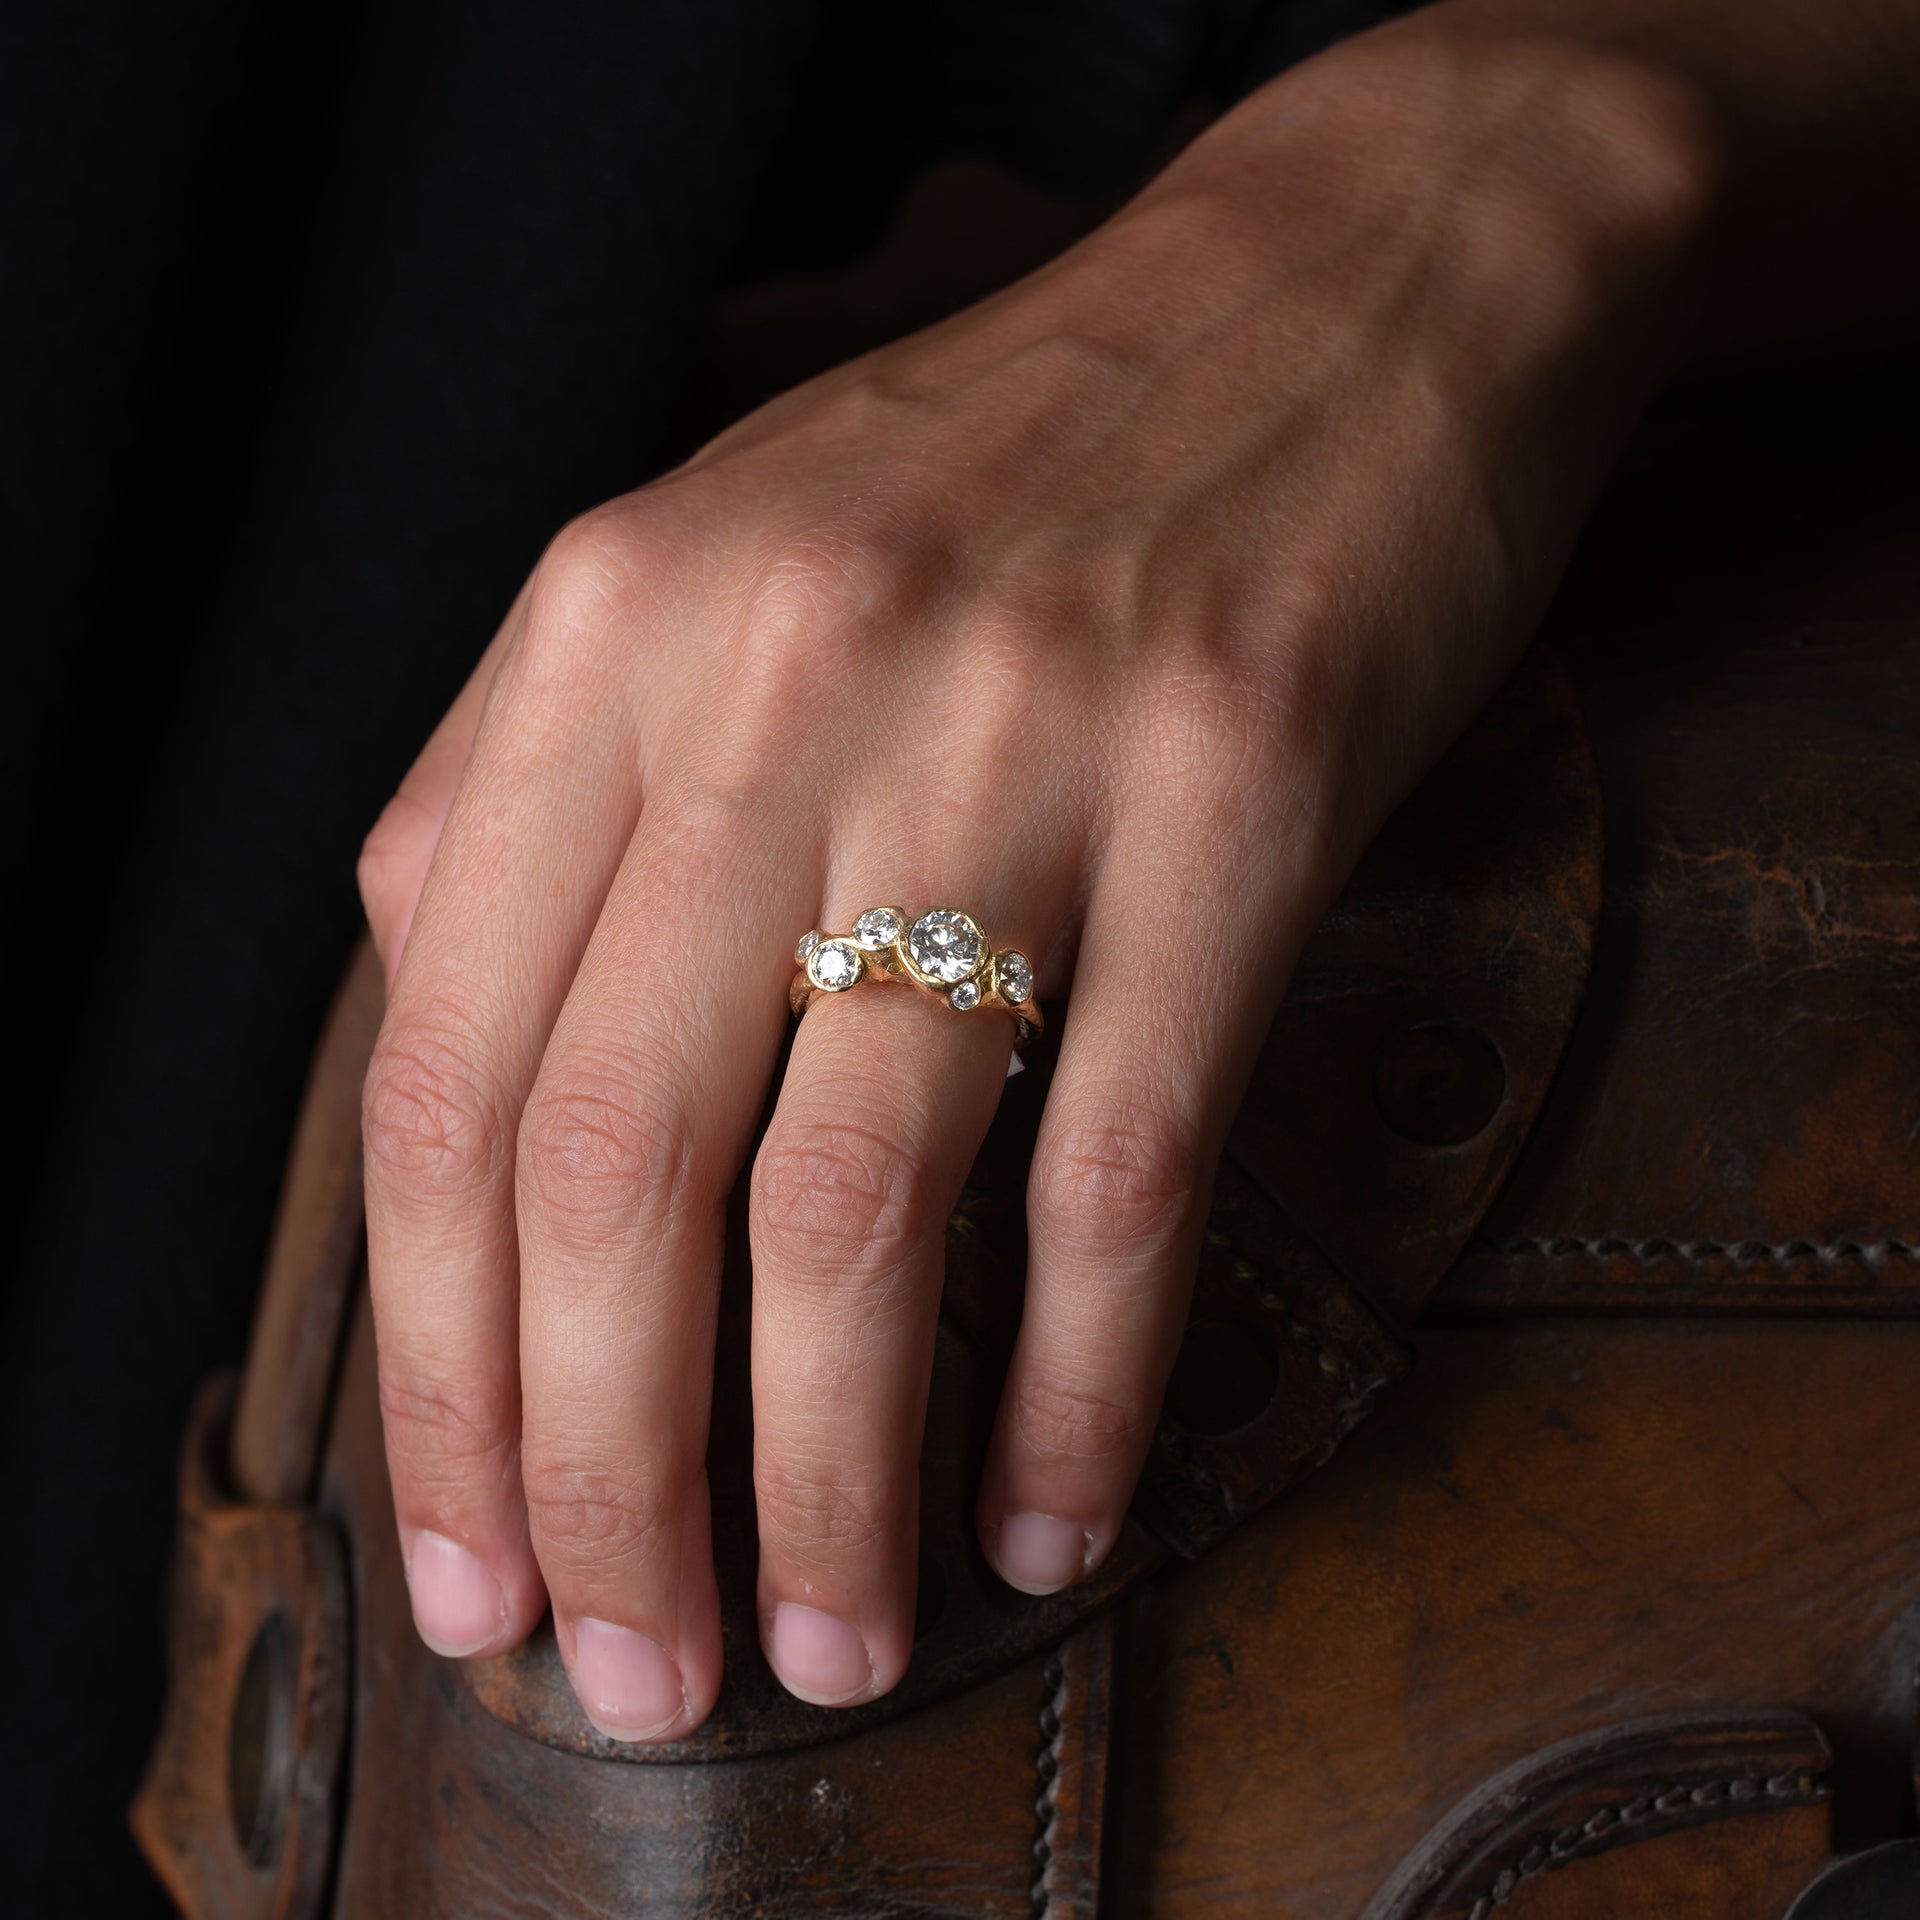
{"points": [[818, 1657], [629, 1685], [458, 1606], [1039, 1554]]}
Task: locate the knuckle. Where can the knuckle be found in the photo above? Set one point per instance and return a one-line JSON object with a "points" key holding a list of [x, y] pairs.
{"points": [[429, 1120], [821, 595], [596, 1146], [836, 1201], [807, 591], [1224, 733], [1308, 694], [448, 1435], [1060, 1424], [592, 1516], [1115, 1180], [392, 858], [813, 1516], [589, 571], [599, 573]]}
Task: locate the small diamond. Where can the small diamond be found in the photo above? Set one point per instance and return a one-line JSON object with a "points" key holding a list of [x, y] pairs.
{"points": [[808, 941], [965, 996], [1013, 974], [834, 965], [945, 945], [877, 927]]}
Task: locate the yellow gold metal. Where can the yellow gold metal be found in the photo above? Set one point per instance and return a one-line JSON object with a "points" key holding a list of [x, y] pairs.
{"points": [[942, 953]]}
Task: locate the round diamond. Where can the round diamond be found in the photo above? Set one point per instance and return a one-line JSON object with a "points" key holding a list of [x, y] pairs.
{"points": [[834, 965], [965, 996], [808, 941], [945, 945], [877, 927], [1013, 974]]}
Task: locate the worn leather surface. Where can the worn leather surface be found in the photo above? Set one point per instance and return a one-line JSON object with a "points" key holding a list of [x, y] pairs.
{"points": [[1731, 1871], [1739, 1122], [1551, 1526], [282, 1411], [238, 1809], [1534, 1835]]}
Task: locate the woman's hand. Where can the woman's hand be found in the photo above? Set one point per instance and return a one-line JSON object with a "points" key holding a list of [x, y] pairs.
{"points": [[1118, 611]]}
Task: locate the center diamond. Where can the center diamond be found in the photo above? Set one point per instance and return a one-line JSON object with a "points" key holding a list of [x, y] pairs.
{"points": [[945, 945]]}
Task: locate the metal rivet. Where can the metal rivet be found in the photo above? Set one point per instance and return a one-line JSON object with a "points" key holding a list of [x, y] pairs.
{"points": [[1224, 1378], [260, 1742], [1436, 1083]]}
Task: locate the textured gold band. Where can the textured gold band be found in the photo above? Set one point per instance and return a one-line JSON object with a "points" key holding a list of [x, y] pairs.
{"points": [[944, 952]]}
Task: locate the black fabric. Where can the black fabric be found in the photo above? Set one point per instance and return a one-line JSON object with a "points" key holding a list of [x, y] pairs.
{"points": [[313, 326]]}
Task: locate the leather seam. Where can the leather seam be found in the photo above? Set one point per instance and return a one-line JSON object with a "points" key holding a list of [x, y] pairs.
{"points": [[1046, 1765], [1355, 1388], [1659, 1809], [1356, 1392], [1649, 1249]]}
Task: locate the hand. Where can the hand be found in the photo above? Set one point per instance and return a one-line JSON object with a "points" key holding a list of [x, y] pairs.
{"points": [[1118, 611]]}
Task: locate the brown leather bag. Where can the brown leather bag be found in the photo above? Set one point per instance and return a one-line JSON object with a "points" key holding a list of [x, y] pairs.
{"points": [[1610, 1606]]}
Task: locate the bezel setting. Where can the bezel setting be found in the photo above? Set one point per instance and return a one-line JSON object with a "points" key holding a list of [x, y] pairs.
{"points": [[878, 928], [835, 965], [943, 953], [1013, 977], [944, 947]]}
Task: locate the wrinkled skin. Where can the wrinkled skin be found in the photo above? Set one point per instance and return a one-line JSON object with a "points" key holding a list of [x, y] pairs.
{"points": [[1119, 611]]}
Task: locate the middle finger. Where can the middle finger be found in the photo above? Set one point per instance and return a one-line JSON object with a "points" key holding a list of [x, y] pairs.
{"points": [[633, 1134]]}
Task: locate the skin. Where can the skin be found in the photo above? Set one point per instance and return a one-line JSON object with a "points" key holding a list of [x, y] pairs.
{"points": [[1118, 610]]}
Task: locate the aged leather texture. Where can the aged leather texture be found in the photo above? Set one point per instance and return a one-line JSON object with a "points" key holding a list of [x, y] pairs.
{"points": [[1738, 1121], [1535, 1524]]}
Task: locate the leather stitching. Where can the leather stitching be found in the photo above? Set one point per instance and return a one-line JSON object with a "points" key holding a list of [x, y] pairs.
{"points": [[1741, 1253], [1651, 1810], [1053, 1733]]}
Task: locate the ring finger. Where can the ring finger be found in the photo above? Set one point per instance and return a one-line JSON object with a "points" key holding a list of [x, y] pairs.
{"points": [[887, 1097]]}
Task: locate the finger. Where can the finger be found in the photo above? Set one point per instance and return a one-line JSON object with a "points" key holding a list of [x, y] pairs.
{"points": [[534, 833], [397, 853], [635, 1130], [1116, 1205], [886, 1099]]}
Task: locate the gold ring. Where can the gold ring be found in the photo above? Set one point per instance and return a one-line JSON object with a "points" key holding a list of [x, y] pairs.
{"points": [[945, 953]]}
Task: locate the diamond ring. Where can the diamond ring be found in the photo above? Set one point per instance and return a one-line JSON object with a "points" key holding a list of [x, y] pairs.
{"points": [[944, 952]]}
